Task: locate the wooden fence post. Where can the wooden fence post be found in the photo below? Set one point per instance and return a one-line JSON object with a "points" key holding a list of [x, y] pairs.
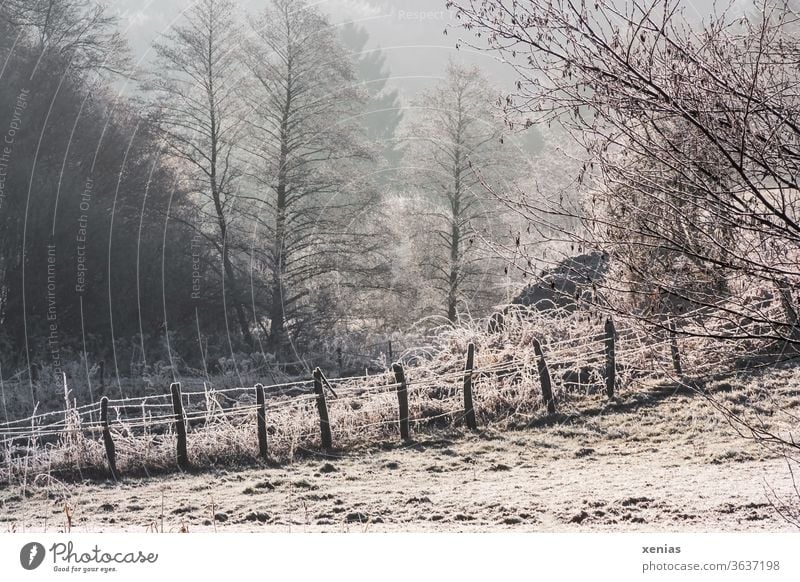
{"points": [[544, 378], [676, 355], [322, 407], [611, 358], [180, 425], [391, 351], [111, 452], [469, 409], [339, 360], [261, 419], [402, 396]]}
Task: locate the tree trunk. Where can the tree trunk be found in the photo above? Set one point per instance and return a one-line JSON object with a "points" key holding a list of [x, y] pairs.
{"points": [[455, 235], [452, 294], [230, 275], [277, 337], [216, 194]]}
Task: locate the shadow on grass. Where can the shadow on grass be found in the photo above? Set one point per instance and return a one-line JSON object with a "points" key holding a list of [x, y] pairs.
{"points": [[627, 403]]}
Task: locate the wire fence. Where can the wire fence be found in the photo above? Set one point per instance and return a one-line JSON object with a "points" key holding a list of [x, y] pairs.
{"points": [[505, 382]]}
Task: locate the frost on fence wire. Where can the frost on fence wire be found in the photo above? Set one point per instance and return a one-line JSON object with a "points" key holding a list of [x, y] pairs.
{"points": [[504, 382]]}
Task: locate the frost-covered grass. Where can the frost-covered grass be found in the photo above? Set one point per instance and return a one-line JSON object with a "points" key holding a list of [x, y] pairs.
{"points": [[364, 410]]}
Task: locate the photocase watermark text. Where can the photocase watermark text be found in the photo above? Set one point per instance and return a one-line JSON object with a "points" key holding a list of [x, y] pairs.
{"points": [[65, 553], [53, 345], [7, 145], [420, 15], [81, 237], [197, 276], [67, 559]]}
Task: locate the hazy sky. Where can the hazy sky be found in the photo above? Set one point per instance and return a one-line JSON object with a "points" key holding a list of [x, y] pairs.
{"points": [[409, 31]]}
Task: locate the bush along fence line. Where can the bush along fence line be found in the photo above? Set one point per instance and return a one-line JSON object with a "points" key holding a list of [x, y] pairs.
{"points": [[322, 415]]}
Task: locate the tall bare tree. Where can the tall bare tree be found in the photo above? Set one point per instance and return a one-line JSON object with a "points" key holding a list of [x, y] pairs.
{"points": [[455, 146], [194, 94], [308, 151]]}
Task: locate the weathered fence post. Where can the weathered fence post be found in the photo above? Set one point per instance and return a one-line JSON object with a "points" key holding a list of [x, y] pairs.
{"points": [[111, 452], [391, 351], [339, 360], [322, 407], [544, 378], [469, 409], [402, 396], [180, 425], [676, 355], [611, 358], [261, 419]]}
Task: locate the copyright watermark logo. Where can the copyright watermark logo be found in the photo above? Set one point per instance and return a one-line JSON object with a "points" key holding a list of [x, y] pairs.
{"points": [[32, 555], [420, 15]]}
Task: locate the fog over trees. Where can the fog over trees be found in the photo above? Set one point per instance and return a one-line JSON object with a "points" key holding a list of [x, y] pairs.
{"points": [[259, 190], [263, 191], [455, 146]]}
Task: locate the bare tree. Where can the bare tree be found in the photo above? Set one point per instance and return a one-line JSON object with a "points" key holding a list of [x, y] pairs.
{"points": [[83, 32], [194, 95], [307, 151], [691, 133], [676, 251], [455, 145], [677, 119]]}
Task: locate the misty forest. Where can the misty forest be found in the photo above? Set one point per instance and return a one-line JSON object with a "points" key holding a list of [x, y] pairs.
{"points": [[277, 227], [256, 197]]}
